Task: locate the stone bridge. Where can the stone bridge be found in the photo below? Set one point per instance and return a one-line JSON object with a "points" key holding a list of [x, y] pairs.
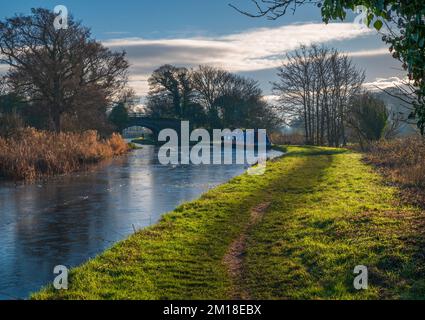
{"points": [[155, 125]]}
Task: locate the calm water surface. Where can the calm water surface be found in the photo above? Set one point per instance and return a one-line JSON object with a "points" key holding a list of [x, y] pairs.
{"points": [[68, 220]]}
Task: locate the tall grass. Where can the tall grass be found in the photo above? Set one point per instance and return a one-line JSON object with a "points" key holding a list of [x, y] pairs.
{"points": [[31, 154], [402, 159]]}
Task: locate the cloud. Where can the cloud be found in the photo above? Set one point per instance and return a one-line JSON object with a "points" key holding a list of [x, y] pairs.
{"points": [[272, 99], [251, 50], [385, 83], [369, 53], [248, 51]]}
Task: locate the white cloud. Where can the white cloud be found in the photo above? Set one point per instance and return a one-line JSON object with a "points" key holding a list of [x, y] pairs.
{"points": [[272, 99], [369, 53], [139, 83], [385, 83], [252, 50]]}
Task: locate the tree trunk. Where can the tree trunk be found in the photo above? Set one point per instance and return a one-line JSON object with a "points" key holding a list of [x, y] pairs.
{"points": [[57, 126]]}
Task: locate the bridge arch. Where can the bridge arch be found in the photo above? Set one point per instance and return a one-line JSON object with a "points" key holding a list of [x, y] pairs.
{"points": [[155, 125]]}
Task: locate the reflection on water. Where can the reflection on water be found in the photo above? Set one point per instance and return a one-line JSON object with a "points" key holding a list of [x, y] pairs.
{"points": [[72, 219]]}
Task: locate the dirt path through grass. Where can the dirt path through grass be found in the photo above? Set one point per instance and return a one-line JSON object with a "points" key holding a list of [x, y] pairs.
{"points": [[234, 258]]}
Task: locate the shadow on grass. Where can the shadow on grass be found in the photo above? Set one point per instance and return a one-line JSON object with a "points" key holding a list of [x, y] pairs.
{"points": [[330, 215], [268, 274], [181, 256], [315, 151]]}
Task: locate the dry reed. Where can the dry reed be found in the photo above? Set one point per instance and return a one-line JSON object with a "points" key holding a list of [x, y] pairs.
{"points": [[32, 154], [402, 159]]}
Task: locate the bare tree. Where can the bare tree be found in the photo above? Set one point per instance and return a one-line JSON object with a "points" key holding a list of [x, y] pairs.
{"points": [[231, 100], [404, 33], [210, 84], [61, 70], [170, 90], [274, 9], [406, 94], [315, 85], [209, 97]]}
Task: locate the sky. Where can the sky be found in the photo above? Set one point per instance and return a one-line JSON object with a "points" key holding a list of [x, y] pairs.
{"points": [[192, 32]]}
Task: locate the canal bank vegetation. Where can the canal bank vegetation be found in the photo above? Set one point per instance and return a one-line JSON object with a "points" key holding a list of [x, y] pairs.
{"points": [[297, 232], [30, 154]]}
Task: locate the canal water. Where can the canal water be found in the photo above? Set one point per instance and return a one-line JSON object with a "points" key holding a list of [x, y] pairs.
{"points": [[68, 220]]}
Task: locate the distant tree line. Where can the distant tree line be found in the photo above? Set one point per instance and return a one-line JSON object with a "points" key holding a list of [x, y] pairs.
{"points": [[64, 80], [209, 97]]}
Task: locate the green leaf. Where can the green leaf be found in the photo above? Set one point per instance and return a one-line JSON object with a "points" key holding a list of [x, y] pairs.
{"points": [[378, 24]]}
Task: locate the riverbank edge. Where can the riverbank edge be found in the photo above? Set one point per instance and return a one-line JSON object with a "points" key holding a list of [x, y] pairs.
{"points": [[161, 226], [181, 257]]}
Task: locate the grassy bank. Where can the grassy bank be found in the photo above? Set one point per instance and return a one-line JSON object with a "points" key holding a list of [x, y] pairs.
{"points": [[31, 154], [302, 228]]}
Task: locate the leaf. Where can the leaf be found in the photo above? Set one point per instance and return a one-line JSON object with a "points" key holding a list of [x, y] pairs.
{"points": [[378, 24]]}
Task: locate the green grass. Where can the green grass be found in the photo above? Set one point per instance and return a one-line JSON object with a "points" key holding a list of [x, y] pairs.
{"points": [[329, 212]]}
